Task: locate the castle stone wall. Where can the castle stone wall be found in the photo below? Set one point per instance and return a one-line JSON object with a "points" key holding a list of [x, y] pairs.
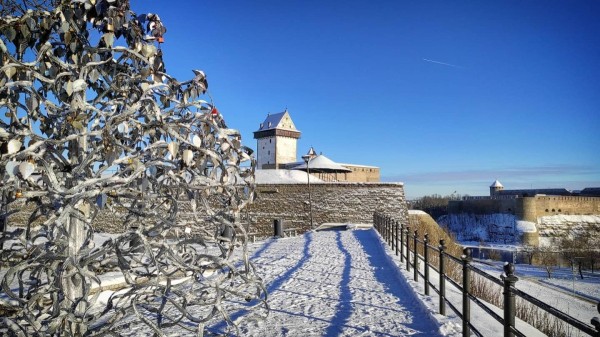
{"points": [[528, 208], [484, 206], [552, 205], [331, 202], [540, 210]]}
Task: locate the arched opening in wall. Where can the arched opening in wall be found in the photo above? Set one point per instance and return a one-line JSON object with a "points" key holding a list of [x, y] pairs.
{"points": [[546, 210], [553, 210], [559, 210]]}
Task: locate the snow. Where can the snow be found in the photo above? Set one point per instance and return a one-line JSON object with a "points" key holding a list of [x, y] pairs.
{"points": [[416, 212], [331, 283], [526, 226], [336, 283], [346, 281], [558, 290], [349, 283], [283, 177], [567, 220], [496, 227]]}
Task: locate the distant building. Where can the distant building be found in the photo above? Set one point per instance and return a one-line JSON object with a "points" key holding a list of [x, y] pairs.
{"points": [[276, 141], [539, 207], [496, 189], [276, 148]]}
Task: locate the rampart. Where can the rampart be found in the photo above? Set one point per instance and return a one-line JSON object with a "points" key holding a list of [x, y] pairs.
{"points": [[533, 209], [331, 202], [528, 208]]}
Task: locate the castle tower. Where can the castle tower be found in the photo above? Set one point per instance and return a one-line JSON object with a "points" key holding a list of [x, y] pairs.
{"points": [[495, 188], [276, 141]]}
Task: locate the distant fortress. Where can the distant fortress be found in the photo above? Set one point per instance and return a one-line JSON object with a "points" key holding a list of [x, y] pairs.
{"points": [[496, 189], [537, 206]]}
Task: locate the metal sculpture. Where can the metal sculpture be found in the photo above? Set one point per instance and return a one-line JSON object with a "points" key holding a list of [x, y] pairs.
{"points": [[92, 123]]}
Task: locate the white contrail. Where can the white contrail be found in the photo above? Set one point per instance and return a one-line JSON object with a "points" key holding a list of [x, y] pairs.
{"points": [[442, 63]]}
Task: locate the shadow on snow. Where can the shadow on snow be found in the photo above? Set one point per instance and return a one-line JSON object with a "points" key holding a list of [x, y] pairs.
{"points": [[395, 284], [218, 328]]}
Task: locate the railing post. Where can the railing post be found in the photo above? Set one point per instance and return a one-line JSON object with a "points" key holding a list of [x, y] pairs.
{"points": [[509, 299], [466, 284], [393, 234], [387, 229], [401, 243], [442, 270], [596, 321], [375, 220], [426, 266], [407, 248], [396, 240], [384, 228], [416, 257]]}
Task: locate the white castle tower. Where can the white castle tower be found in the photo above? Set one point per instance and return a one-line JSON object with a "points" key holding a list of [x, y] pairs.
{"points": [[495, 188], [276, 141]]}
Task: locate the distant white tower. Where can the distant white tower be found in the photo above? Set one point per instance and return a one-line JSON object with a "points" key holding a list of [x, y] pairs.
{"points": [[495, 188], [276, 141]]}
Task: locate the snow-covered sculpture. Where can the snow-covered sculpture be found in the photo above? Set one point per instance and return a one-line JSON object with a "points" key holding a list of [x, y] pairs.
{"points": [[90, 123]]}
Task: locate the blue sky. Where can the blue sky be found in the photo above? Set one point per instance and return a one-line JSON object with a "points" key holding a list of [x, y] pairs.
{"points": [[442, 95]]}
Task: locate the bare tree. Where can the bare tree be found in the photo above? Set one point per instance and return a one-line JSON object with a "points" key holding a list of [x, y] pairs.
{"points": [[547, 259], [20, 7], [93, 126], [530, 253]]}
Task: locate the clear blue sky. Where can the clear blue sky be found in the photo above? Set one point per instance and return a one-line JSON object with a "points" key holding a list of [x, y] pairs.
{"points": [[442, 95]]}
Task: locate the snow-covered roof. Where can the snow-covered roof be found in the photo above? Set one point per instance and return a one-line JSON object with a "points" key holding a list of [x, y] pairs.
{"points": [[283, 177], [496, 184], [281, 120], [356, 165], [322, 164]]}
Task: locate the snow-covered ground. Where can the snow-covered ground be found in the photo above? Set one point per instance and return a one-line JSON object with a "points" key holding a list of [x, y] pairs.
{"points": [[349, 283], [564, 291], [331, 283]]}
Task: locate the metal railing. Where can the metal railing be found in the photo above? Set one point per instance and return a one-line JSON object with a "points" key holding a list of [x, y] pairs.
{"points": [[406, 244]]}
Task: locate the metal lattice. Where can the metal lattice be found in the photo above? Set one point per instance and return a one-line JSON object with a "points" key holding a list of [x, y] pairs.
{"points": [[92, 126]]}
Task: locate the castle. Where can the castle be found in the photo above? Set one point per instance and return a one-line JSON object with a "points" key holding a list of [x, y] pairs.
{"points": [[497, 189], [276, 147], [542, 208]]}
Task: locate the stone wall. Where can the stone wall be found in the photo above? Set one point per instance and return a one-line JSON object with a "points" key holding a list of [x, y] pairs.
{"points": [[484, 206], [331, 202], [544, 211], [554, 205], [528, 208], [360, 174]]}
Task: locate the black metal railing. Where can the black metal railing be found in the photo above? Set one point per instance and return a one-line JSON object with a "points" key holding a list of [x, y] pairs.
{"points": [[398, 236]]}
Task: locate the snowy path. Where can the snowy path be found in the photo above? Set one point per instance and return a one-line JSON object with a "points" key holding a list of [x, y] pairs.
{"points": [[336, 283]]}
